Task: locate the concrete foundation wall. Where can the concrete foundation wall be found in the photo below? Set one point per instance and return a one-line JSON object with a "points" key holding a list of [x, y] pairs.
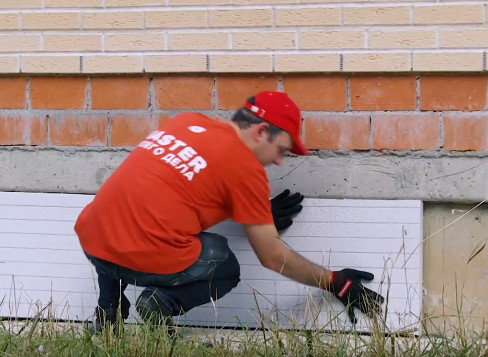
{"points": [[428, 177]]}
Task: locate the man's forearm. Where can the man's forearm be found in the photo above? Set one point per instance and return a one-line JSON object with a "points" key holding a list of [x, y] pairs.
{"points": [[274, 255], [296, 267], [346, 285]]}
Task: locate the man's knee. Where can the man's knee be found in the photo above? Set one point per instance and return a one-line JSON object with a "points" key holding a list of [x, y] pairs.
{"points": [[214, 247], [215, 250], [153, 301], [234, 266], [235, 280]]}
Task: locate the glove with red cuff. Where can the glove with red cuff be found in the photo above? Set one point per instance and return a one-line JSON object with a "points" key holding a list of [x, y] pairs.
{"points": [[284, 207], [347, 287]]}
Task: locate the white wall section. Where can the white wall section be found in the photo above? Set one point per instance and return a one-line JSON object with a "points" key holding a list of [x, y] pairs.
{"points": [[41, 262]]}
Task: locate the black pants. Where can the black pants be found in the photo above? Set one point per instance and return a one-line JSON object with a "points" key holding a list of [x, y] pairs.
{"points": [[214, 274]]}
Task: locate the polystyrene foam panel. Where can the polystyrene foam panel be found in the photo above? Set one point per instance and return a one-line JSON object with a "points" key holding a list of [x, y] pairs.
{"points": [[42, 264]]}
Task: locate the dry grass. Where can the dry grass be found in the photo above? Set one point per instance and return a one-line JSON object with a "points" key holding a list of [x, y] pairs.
{"points": [[41, 337]]}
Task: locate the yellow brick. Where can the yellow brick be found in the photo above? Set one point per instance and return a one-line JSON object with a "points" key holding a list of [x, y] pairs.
{"points": [[20, 43], [112, 64], [199, 2], [113, 20], [240, 63], [402, 39], [332, 39], [306, 62], [402, 1], [308, 16], [240, 18], [265, 2], [468, 38], [263, 40], [50, 20], [9, 22], [448, 14], [9, 64], [50, 64], [142, 41], [175, 63], [442, 61], [73, 3], [72, 42], [10, 4], [168, 19], [376, 62], [376, 15], [198, 41], [341, 1], [110, 3]]}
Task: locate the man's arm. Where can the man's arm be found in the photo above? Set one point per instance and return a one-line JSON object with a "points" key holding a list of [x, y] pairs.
{"points": [[345, 284], [275, 255]]}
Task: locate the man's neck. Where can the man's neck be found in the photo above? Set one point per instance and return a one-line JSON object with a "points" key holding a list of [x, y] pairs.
{"points": [[243, 134]]}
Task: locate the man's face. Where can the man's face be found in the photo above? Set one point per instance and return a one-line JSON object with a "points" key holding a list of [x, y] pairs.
{"points": [[271, 151]]}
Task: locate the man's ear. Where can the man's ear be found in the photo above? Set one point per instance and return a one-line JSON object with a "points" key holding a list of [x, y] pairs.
{"points": [[260, 131]]}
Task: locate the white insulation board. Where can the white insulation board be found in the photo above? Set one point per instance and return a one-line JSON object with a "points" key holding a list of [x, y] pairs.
{"points": [[41, 264]]}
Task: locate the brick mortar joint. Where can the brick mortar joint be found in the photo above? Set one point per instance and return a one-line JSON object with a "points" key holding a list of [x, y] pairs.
{"points": [[70, 150], [108, 76], [442, 138], [321, 154], [222, 112], [48, 130]]}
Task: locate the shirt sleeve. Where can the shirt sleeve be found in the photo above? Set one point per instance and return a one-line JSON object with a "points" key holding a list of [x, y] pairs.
{"points": [[249, 198]]}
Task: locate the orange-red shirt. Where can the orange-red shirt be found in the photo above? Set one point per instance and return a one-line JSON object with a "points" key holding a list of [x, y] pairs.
{"points": [[184, 178]]}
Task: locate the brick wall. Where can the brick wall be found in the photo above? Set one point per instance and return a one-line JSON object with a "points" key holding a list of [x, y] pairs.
{"points": [[258, 36], [360, 112], [370, 76]]}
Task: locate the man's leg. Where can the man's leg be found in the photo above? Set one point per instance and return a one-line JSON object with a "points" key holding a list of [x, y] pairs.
{"points": [[214, 274], [111, 294]]}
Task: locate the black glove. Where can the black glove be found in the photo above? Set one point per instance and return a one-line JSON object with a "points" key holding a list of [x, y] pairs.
{"points": [[346, 286], [283, 207]]}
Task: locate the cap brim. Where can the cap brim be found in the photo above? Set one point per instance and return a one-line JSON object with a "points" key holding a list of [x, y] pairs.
{"points": [[298, 148]]}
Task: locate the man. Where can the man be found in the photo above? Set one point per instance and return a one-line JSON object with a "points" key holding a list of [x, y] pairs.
{"points": [[146, 225]]}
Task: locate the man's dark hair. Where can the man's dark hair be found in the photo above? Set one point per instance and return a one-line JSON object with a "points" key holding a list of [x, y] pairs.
{"points": [[244, 118]]}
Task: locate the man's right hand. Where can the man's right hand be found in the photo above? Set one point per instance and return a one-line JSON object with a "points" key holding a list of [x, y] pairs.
{"points": [[284, 207], [347, 287]]}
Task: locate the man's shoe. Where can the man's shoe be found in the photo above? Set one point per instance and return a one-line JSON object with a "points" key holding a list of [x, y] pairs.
{"points": [[104, 318], [150, 307], [124, 307]]}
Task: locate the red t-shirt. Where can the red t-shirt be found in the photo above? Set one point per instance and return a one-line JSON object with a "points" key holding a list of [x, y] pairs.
{"points": [[184, 178]]}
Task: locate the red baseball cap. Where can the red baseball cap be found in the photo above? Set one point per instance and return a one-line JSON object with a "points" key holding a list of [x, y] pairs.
{"points": [[278, 109]]}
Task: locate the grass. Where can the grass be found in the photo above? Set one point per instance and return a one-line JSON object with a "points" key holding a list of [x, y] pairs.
{"points": [[44, 335], [48, 337]]}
